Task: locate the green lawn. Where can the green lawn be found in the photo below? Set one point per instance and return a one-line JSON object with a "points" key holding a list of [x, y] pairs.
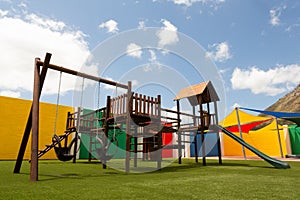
{"points": [[232, 180]]}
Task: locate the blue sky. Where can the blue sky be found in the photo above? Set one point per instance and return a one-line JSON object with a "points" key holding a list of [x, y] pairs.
{"points": [[253, 43]]}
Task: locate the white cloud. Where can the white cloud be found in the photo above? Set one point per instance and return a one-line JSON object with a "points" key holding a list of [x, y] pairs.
{"points": [[111, 26], [153, 57], [147, 68], [141, 25], [134, 50], [235, 105], [46, 23], [167, 35], [6, 1], [10, 93], [154, 63], [274, 17], [221, 53], [275, 13], [270, 82], [32, 36], [191, 2], [3, 13], [183, 2], [22, 5]]}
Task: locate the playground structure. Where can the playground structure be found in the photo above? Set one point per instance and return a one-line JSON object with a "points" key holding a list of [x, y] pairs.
{"points": [[141, 117]]}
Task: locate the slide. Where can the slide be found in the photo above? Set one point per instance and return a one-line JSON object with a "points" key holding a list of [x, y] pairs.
{"points": [[276, 163]]}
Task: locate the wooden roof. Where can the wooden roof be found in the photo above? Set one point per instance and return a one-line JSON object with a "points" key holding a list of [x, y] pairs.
{"points": [[198, 94]]}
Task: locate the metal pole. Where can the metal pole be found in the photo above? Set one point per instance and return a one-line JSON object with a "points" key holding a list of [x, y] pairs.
{"points": [[279, 139], [240, 130]]}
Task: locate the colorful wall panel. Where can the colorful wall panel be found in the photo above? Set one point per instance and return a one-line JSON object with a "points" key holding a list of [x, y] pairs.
{"points": [[265, 140], [211, 146], [294, 132], [13, 118]]}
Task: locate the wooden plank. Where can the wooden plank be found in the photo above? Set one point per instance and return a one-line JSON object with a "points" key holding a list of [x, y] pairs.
{"points": [[144, 104], [136, 105], [152, 111], [148, 105], [140, 104]]}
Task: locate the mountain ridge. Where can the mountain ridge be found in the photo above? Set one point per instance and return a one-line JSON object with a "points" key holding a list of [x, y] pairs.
{"points": [[288, 103]]}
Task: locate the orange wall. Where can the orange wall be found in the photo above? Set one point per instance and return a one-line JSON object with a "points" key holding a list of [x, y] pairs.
{"points": [[13, 118]]}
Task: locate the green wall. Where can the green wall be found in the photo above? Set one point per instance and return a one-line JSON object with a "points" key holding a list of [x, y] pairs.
{"points": [[294, 132], [86, 141]]}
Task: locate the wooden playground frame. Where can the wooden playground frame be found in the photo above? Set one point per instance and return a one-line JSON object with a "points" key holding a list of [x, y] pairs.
{"points": [[129, 108]]}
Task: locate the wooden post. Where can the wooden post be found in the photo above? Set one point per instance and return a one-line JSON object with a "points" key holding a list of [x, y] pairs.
{"points": [[35, 124], [76, 135], [106, 128], [195, 136], [29, 120], [218, 136], [135, 141], [202, 120], [240, 131], [159, 138], [178, 132], [128, 127]]}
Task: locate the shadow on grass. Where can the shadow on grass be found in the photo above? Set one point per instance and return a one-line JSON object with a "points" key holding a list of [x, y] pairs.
{"points": [[173, 167]]}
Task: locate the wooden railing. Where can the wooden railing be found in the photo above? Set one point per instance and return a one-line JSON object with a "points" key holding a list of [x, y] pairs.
{"points": [[139, 105]]}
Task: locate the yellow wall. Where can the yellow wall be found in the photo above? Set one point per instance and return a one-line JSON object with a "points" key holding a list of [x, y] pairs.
{"points": [[13, 119], [265, 140]]}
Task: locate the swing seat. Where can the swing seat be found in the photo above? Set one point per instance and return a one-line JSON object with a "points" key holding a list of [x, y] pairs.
{"points": [[63, 153], [102, 152], [102, 156]]}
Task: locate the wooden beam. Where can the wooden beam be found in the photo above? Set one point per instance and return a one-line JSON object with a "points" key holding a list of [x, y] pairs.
{"points": [[35, 124], [27, 130], [83, 75]]}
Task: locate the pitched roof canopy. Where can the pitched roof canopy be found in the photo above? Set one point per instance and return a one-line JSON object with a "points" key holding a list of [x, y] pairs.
{"points": [[198, 94]]}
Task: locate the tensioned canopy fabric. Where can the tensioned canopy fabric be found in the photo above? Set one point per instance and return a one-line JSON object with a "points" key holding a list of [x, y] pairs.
{"points": [[245, 128], [294, 117], [245, 118]]}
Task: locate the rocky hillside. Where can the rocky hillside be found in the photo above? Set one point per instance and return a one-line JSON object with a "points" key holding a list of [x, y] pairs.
{"points": [[288, 103]]}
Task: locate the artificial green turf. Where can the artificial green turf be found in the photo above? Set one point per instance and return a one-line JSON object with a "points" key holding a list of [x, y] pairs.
{"points": [[232, 180]]}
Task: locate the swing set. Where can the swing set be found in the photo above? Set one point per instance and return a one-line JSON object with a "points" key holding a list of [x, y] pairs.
{"points": [[32, 124]]}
